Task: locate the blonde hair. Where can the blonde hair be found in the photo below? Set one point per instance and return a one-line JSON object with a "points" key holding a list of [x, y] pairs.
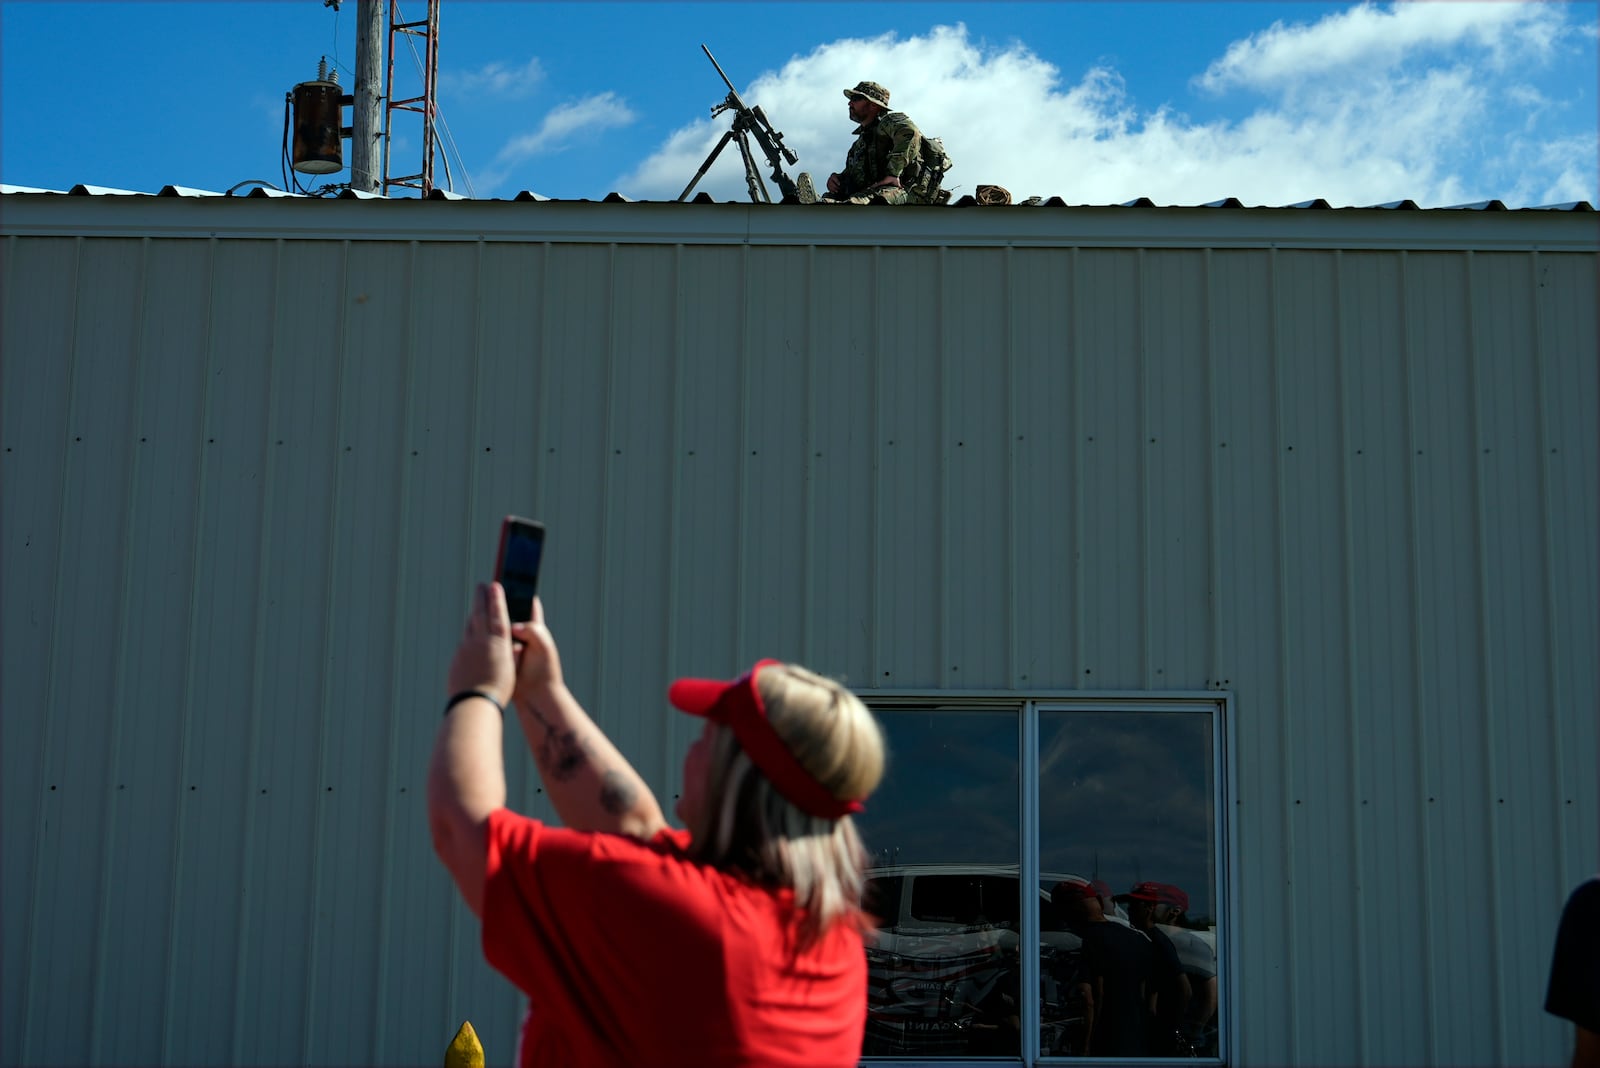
{"points": [[746, 825]]}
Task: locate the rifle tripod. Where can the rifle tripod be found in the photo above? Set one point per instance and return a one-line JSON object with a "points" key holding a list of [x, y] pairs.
{"points": [[740, 131]]}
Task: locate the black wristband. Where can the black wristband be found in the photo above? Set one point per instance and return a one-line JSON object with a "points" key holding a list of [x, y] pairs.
{"points": [[467, 694]]}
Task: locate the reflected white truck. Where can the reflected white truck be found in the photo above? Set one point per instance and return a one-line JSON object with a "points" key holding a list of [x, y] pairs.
{"points": [[943, 970]]}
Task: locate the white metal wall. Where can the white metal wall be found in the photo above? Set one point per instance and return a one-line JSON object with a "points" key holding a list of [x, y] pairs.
{"points": [[248, 479]]}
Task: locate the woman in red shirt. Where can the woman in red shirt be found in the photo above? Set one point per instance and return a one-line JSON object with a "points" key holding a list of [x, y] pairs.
{"points": [[735, 942]]}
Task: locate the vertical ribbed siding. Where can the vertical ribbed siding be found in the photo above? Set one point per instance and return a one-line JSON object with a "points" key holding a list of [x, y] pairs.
{"points": [[35, 457], [246, 949], [1569, 337], [1046, 508], [1355, 489], [103, 578], [1379, 526], [1312, 469], [1251, 661]]}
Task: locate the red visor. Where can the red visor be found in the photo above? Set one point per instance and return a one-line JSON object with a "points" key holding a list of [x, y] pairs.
{"points": [[737, 705]]}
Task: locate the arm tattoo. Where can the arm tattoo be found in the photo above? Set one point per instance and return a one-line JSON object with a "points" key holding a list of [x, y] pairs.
{"points": [[560, 755], [617, 793]]}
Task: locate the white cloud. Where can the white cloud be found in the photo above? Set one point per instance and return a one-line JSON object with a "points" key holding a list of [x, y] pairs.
{"points": [[562, 125], [565, 122], [1552, 172], [1367, 41], [496, 78], [1437, 127]]}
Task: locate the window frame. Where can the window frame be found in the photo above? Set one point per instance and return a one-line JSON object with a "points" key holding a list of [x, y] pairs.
{"points": [[1029, 705]]}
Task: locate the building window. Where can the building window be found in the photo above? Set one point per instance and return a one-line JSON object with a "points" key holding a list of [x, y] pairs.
{"points": [[1111, 810]]}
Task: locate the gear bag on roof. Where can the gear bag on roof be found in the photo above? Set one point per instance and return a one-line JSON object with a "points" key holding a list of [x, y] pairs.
{"points": [[935, 162]]}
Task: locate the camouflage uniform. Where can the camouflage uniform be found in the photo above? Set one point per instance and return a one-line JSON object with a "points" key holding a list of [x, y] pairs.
{"points": [[891, 144]]}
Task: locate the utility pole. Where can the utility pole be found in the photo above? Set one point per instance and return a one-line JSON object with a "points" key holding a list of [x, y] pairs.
{"points": [[366, 121]]}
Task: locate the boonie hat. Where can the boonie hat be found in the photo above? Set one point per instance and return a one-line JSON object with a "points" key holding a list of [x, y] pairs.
{"points": [[872, 92], [737, 705]]}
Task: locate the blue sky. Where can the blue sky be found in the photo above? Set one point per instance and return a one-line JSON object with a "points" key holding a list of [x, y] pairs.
{"points": [[1440, 102]]}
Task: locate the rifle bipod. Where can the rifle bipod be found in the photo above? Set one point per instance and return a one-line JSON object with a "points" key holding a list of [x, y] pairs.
{"points": [[752, 176]]}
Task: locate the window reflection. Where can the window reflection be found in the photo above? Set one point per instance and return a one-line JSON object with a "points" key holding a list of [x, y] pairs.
{"points": [[1128, 942], [945, 830], [1127, 855]]}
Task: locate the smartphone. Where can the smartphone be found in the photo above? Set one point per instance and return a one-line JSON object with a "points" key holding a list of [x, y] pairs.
{"points": [[517, 566]]}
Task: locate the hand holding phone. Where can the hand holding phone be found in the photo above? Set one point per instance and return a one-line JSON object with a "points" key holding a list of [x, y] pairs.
{"points": [[517, 565]]}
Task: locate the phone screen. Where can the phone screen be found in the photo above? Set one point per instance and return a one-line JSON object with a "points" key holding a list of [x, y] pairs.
{"points": [[521, 546]]}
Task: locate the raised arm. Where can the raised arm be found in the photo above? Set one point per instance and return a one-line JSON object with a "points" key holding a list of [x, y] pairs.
{"points": [[467, 775], [590, 783]]}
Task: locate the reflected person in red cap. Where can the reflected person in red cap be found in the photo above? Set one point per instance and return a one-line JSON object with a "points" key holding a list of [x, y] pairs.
{"points": [[1170, 991], [738, 941]]}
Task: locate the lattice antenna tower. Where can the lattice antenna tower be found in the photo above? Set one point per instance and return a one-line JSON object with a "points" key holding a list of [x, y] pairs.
{"points": [[425, 104]]}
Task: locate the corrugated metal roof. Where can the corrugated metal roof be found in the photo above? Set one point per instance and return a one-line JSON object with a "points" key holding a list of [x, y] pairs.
{"points": [[706, 198]]}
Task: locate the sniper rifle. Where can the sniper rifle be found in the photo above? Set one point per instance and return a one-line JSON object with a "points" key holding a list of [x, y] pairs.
{"points": [[748, 123]]}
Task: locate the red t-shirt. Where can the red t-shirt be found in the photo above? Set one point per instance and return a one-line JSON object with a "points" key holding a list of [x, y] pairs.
{"points": [[631, 953]]}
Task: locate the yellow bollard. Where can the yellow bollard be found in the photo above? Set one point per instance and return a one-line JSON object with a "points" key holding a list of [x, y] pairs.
{"points": [[465, 1050]]}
